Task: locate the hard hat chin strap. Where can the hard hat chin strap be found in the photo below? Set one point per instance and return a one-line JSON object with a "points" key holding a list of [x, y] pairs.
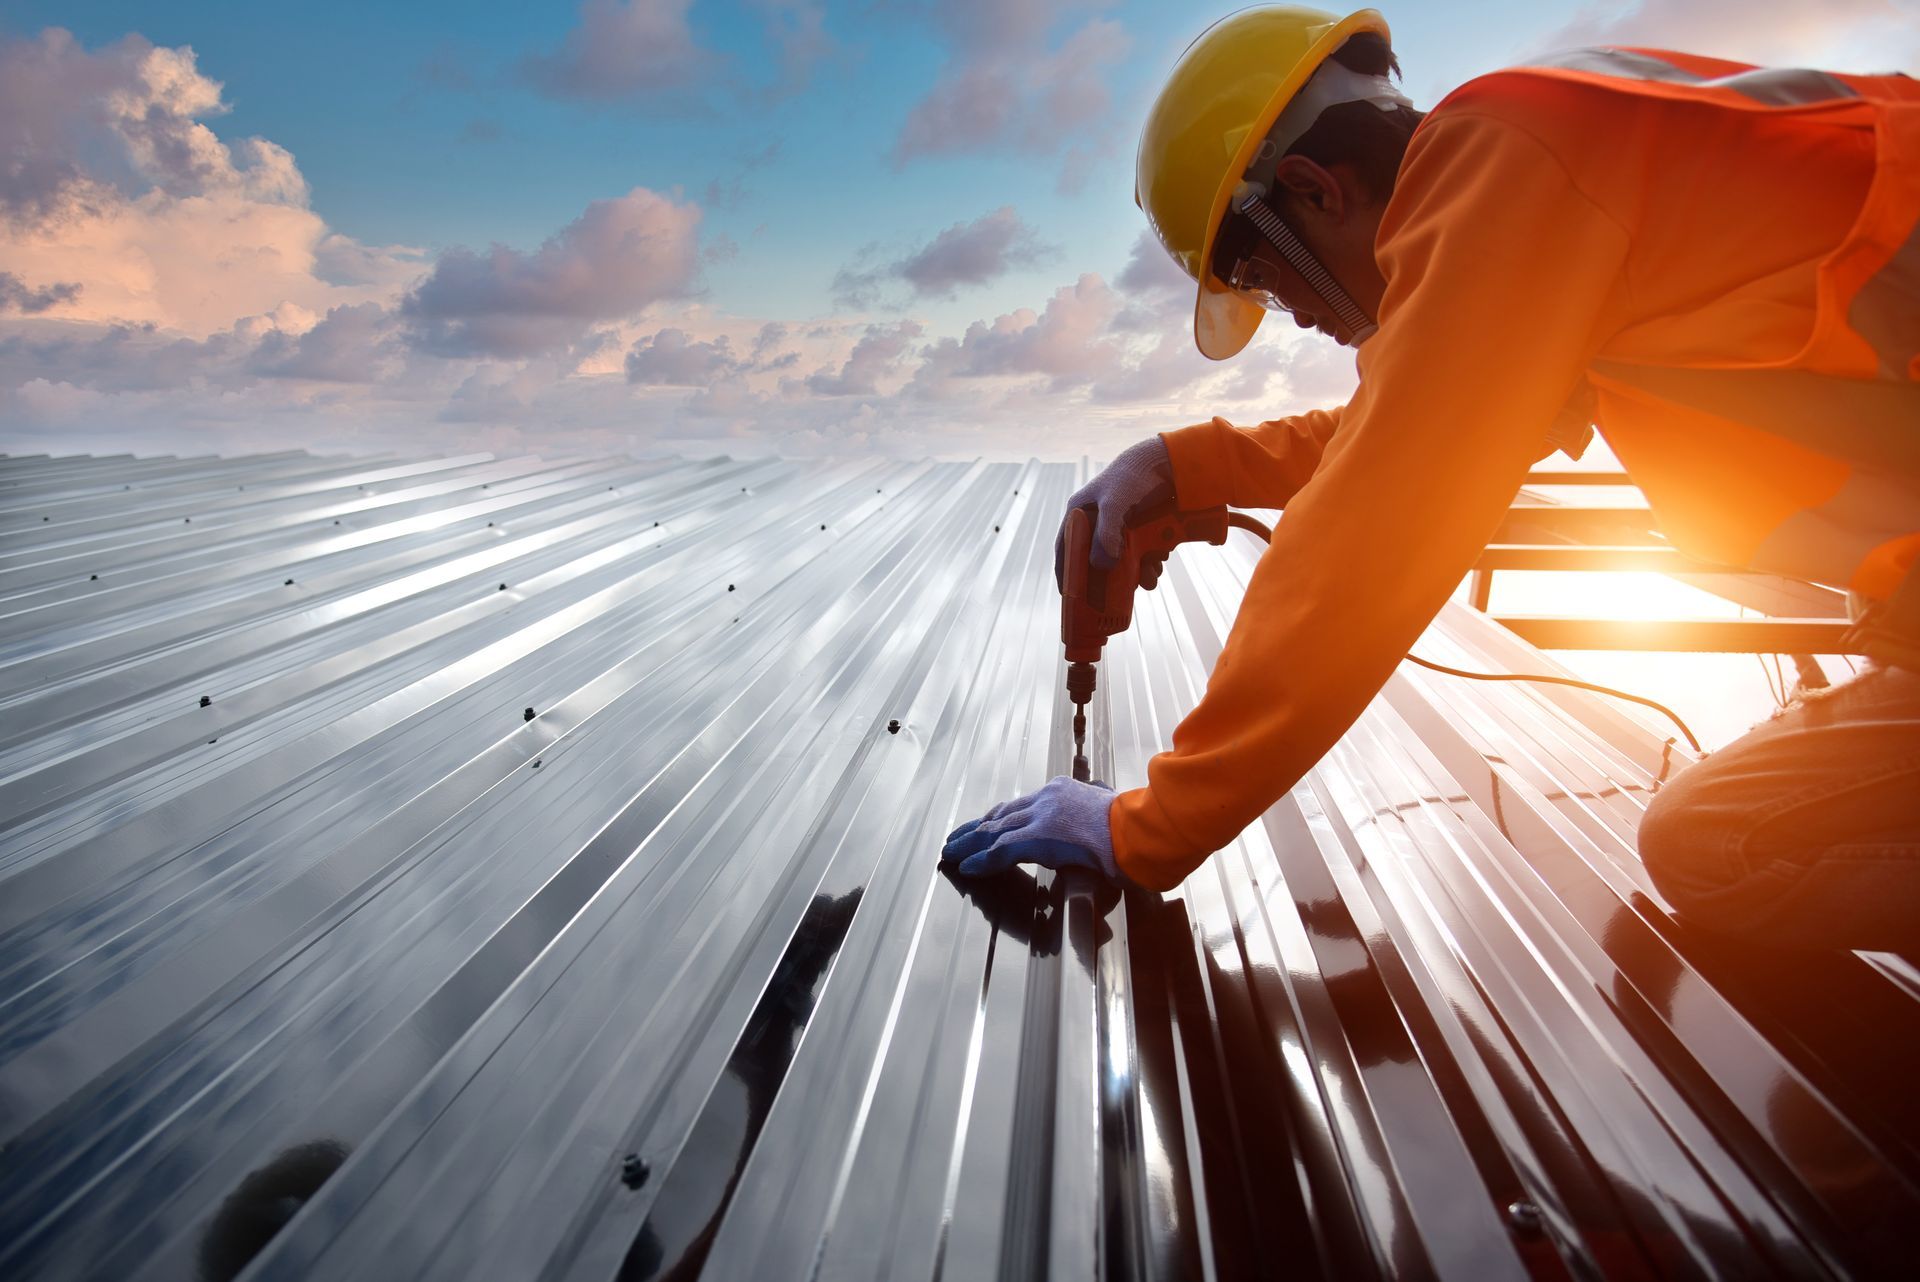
{"points": [[1248, 201]]}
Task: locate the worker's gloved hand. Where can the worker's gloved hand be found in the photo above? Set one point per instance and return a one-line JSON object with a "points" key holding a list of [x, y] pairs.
{"points": [[1140, 477], [1064, 825]]}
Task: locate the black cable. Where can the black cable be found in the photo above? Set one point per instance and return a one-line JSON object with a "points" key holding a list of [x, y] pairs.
{"points": [[1265, 534]]}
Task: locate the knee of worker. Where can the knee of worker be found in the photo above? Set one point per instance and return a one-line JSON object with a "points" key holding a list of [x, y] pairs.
{"points": [[1689, 838]]}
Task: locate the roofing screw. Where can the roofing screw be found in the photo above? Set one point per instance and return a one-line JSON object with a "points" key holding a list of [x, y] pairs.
{"points": [[213, 740], [633, 1171], [503, 587], [187, 519], [536, 763], [823, 527], [1525, 1220], [729, 587], [893, 727], [336, 522], [489, 524], [206, 701], [996, 529], [46, 518], [287, 584], [527, 715], [92, 576], [656, 525]]}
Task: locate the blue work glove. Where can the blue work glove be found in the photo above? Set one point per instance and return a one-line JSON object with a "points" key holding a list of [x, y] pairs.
{"points": [[1140, 477], [1064, 825]]}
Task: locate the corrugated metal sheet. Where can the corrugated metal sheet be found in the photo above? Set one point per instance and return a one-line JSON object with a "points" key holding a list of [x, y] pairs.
{"points": [[506, 868]]}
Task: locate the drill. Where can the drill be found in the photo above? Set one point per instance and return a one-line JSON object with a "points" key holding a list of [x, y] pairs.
{"points": [[1096, 604]]}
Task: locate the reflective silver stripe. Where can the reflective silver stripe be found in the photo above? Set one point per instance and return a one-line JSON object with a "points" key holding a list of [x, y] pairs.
{"points": [[1827, 543], [1784, 86], [1774, 86], [1886, 311]]}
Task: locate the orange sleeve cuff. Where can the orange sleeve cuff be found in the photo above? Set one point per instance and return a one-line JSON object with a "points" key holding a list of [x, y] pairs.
{"points": [[1147, 848], [1202, 463]]}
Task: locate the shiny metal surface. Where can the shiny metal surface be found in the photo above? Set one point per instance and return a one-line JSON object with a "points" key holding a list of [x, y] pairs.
{"points": [[533, 888]]}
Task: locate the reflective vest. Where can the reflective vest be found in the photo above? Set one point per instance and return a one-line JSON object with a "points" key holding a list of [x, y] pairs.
{"points": [[1816, 470]]}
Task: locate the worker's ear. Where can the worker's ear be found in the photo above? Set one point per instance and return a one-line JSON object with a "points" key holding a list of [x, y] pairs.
{"points": [[1310, 189]]}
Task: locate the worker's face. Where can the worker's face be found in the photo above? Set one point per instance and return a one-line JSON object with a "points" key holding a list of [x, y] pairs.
{"points": [[1330, 212]]}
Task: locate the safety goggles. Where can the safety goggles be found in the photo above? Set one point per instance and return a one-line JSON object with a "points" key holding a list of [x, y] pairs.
{"points": [[1255, 278]]}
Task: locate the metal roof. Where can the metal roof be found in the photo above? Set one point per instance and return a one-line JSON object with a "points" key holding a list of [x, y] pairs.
{"points": [[509, 868]]}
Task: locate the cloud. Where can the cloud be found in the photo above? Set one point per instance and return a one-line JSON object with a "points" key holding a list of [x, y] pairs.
{"points": [[17, 296], [673, 358], [1159, 294], [877, 355], [621, 49], [1067, 342], [111, 182], [797, 31], [974, 253], [1006, 86], [355, 344], [1839, 34], [615, 259]]}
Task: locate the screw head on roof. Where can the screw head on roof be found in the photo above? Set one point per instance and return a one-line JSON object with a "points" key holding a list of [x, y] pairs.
{"points": [[996, 529], [823, 527], [503, 587], [656, 525], [893, 727], [46, 518], [187, 519], [1525, 1220], [633, 1171], [206, 701], [729, 587], [287, 584], [93, 576], [536, 763], [489, 524], [527, 715]]}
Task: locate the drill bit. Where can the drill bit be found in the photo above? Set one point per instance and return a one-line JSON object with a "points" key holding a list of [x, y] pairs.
{"points": [[1080, 685]]}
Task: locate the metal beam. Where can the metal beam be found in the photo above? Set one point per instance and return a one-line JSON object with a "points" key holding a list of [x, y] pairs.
{"points": [[1733, 636], [1552, 522], [1577, 478], [1576, 556]]}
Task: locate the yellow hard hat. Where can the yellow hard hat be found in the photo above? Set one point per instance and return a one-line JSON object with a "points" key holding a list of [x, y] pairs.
{"points": [[1221, 100]]}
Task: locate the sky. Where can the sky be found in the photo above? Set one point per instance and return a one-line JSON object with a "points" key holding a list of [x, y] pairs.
{"points": [[785, 227]]}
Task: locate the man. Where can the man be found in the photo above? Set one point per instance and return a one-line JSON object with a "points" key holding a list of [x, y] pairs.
{"points": [[1717, 265]]}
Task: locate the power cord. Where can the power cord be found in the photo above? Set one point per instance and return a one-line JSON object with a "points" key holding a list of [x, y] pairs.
{"points": [[1265, 534]]}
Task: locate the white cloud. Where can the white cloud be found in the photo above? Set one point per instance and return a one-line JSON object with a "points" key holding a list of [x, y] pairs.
{"points": [[975, 253], [878, 355], [114, 185], [1007, 85], [1837, 35], [620, 49], [612, 261]]}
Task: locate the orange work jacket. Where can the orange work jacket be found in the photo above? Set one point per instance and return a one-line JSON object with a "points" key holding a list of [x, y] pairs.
{"points": [[1718, 264]]}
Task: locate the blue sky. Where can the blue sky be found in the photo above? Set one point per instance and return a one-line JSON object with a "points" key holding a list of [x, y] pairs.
{"points": [[322, 287]]}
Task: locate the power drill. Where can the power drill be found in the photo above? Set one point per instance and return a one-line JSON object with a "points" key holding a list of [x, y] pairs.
{"points": [[1096, 604]]}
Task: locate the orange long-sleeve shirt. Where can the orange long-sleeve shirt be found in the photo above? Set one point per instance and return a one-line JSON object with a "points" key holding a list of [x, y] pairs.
{"points": [[1527, 235]]}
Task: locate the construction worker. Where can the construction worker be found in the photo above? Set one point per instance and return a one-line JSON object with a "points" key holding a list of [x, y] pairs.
{"points": [[1716, 264]]}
